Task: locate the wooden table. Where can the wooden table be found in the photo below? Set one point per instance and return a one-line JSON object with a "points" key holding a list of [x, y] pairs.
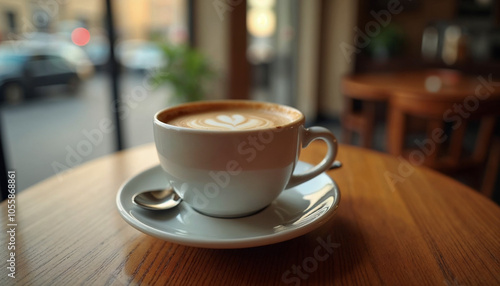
{"points": [[447, 84], [425, 229]]}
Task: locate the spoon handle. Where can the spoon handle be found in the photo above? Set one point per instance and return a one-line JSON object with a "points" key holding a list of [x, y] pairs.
{"points": [[336, 164]]}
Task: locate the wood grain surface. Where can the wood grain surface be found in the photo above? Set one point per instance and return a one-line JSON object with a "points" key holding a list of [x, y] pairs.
{"points": [[397, 224]]}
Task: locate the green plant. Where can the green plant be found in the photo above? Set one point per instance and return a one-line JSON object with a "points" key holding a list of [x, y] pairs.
{"points": [[387, 43], [186, 70]]}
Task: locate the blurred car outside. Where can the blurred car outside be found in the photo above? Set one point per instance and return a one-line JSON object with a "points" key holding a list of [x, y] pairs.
{"points": [[28, 65], [56, 45]]}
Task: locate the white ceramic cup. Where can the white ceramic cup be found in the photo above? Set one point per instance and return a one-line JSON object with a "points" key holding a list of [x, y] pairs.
{"points": [[235, 173]]}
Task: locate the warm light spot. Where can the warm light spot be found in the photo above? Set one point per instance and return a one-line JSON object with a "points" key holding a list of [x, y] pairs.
{"points": [[261, 22], [80, 36]]}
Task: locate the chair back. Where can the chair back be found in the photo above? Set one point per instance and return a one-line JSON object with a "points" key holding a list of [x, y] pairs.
{"points": [[457, 134]]}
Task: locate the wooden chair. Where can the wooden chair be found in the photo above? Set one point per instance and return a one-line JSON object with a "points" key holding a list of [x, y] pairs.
{"points": [[442, 147], [359, 114], [358, 119]]}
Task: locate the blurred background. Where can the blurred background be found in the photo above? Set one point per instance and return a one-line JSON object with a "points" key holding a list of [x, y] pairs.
{"points": [[82, 79]]}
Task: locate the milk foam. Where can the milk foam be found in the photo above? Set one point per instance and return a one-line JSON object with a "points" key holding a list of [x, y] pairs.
{"points": [[244, 119]]}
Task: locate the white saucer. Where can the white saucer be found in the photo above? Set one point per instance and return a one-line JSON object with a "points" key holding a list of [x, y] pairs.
{"points": [[295, 212]]}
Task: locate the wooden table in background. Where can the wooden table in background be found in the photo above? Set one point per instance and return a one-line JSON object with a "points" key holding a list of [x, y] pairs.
{"points": [[421, 229], [448, 85]]}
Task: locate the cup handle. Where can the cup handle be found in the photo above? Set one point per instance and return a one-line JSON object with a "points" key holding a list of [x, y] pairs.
{"points": [[308, 135]]}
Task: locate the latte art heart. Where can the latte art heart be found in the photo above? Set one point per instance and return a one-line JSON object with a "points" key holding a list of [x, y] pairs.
{"points": [[233, 119], [229, 122]]}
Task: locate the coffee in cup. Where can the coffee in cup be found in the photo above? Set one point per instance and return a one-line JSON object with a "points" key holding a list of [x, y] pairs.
{"points": [[223, 117]]}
